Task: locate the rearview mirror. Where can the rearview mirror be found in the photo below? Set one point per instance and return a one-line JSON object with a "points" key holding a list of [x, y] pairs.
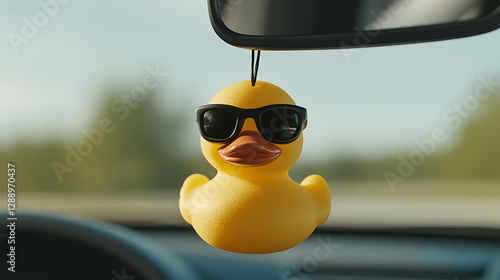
{"points": [[323, 24]]}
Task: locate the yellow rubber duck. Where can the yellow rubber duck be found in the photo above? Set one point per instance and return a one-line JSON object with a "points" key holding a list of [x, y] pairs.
{"points": [[252, 205]]}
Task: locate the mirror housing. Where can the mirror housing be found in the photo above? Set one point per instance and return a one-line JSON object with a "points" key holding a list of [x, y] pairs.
{"points": [[320, 24]]}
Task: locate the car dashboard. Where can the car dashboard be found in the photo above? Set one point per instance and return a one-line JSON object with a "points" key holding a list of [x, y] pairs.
{"points": [[343, 255], [61, 247]]}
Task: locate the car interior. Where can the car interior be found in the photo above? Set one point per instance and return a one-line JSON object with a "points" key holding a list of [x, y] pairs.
{"points": [[99, 132]]}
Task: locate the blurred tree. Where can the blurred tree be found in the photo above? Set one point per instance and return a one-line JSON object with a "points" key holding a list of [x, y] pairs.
{"points": [[477, 156], [136, 150], [142, 152]]}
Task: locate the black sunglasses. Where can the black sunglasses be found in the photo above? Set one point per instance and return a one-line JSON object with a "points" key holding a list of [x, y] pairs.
{"points": [[280, 123]]}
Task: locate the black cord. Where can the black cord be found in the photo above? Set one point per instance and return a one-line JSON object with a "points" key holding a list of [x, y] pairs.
{"points": [[255, 67]]}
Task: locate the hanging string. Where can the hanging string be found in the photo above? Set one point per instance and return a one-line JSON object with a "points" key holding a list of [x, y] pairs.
{"points": [[255, 67]]}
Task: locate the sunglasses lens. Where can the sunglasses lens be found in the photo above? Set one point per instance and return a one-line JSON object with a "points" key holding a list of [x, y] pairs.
{"points": [[218, 123], [280, 124]]}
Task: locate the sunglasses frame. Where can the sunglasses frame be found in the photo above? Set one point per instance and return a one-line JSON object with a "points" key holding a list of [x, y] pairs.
{"points": [[255, 114]]}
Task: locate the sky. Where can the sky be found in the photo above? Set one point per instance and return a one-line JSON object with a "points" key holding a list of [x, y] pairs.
{"points": [[365, 102]]}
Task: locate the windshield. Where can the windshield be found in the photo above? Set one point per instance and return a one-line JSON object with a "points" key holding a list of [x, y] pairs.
{"points": [[98, 115]]}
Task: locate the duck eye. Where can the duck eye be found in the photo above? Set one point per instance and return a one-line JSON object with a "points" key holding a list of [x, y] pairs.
{"points": [[219, 123], [280, 124]]}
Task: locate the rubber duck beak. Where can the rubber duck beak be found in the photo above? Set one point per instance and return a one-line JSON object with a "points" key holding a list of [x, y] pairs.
{"points": [[249, 148]]}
